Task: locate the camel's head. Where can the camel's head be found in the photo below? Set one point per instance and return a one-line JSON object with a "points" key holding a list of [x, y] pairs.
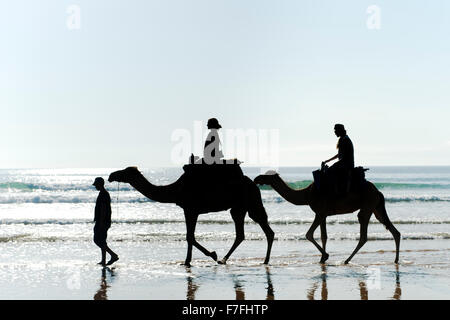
{"points": [[123, 175], [266, 178]]}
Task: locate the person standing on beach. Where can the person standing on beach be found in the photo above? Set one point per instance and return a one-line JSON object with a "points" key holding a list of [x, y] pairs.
{"points": [[102, 221]]}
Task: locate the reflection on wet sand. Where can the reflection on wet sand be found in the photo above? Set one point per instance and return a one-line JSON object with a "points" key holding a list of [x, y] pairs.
{"points": [[321, 281], [398, 289], [102, 293], [192, 287], [363, 289], [238, 288], [270, 291], [364, 294], [324, 292]]}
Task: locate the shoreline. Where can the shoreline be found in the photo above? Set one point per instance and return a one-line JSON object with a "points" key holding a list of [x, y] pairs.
{"points": [[152, 271]]}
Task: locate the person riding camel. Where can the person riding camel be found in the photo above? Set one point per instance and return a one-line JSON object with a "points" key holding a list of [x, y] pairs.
{"points": [[340, 171], [212, 152]]}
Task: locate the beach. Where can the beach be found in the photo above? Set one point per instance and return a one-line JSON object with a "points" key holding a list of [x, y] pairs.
{"points": [[47, 252]]}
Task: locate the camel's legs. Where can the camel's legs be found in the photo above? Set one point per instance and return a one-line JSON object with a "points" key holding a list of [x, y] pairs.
{"points": [[191, 221], [388, 224], [270, 235], [396, 234], [259, 215], [238, 218], [310, 236], [323, 235], [363, 217], [189, 238]]}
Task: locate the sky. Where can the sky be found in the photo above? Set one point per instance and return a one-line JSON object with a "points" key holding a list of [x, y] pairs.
{"points": [[116, 87]]}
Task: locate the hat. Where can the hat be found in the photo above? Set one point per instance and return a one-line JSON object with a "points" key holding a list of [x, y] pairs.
{"points": [[99, 182], [339, 126], [213, 124]]}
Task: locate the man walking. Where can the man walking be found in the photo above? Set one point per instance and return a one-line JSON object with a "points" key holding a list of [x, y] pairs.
{"points": [[102, 221]]}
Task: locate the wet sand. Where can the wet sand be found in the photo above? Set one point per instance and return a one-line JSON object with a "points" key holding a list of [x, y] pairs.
{"points": [[68, 270]]}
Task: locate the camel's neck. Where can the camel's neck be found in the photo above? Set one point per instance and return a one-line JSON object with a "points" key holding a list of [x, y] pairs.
{"points": [[166, 193], [297, 197]]}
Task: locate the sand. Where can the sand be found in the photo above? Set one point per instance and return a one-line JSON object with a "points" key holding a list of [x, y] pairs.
{"points": [[68, 270]]}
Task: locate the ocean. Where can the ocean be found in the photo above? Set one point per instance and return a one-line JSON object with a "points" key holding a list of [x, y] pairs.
{"points": [[46, 229]]}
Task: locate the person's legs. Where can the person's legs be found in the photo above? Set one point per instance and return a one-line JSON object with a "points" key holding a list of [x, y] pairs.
{"points": [[100, 241], [114, 256], [334, 177], [103, 261], [111, 253]]}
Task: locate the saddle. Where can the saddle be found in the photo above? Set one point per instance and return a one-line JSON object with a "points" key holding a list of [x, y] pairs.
{"points": [[208, 172], [213, 176], [203, 183], [327, 184]]}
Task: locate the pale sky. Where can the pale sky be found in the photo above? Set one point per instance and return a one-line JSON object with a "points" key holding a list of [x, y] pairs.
{"points": [[112, 93]]}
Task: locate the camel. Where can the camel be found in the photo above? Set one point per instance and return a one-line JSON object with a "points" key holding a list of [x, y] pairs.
{"points": [[368, 201], [195, 199]]}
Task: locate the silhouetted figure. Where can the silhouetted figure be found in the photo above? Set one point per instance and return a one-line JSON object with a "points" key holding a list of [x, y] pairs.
{"points": [[203, 189], [212, 152], [102, 221], [340, 171], [368, 200]]}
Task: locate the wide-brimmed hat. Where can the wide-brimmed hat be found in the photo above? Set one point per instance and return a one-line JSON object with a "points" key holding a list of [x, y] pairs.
{"points": [[213, 124], [99, 182]]}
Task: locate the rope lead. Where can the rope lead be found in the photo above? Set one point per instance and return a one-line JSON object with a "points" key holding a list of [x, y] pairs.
{"points": [[118, 188]]}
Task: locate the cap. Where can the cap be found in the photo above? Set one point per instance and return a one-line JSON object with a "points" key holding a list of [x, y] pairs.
{"points": [[213, 124], [99, 182]]}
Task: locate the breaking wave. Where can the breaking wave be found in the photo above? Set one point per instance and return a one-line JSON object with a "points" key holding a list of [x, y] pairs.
{"points": [[211, 236], [207, 221], [279, 199]]}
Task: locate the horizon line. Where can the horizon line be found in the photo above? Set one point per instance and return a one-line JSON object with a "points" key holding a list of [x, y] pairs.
{"points": [[172, 167]]}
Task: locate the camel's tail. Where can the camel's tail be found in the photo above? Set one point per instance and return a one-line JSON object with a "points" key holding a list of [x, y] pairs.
{"points": [[256, 210], [381, 213]]}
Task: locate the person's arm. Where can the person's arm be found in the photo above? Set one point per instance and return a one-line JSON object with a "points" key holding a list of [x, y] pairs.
{"points": [[108, 212], [102, 211], [96, 212], [331, 159]]}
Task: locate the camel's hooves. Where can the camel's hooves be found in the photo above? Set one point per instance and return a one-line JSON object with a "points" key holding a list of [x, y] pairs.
{"points": [[346, 262], [213, 255], [223, 261], [186, 264], [324, 258], [266, 262]]}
